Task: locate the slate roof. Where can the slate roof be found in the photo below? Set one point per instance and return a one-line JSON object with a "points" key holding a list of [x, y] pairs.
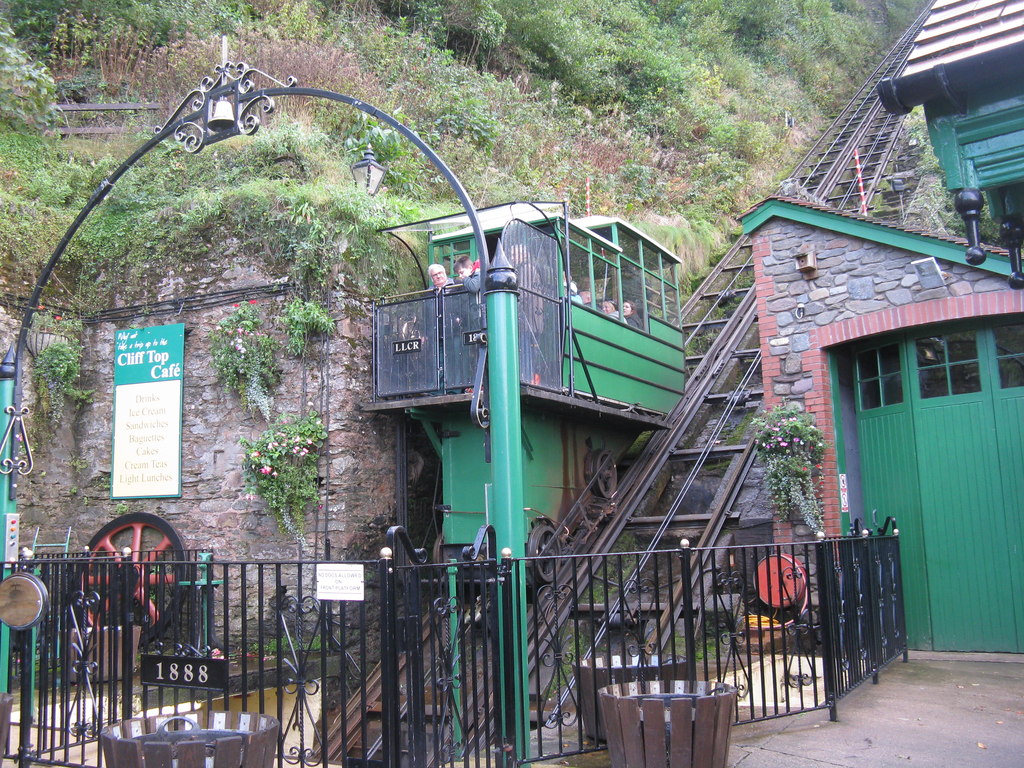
{"points": [[961, 29]]}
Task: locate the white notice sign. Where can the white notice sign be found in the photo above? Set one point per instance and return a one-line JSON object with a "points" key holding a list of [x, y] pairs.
{"points": [[339, 581]]}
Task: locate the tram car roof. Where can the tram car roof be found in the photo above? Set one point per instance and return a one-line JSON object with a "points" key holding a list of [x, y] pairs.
{"points": [[492, 218]]}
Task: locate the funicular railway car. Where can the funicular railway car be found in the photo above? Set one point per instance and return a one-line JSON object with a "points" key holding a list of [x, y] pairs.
{"points": [[601, 360]]}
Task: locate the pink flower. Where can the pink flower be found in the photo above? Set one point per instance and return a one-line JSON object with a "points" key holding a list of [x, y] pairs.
{"points": [[267, 470], [255, 454]]}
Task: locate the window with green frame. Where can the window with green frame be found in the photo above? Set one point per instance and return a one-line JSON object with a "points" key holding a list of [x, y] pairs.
{"points": [[655, 289], [879, 377], [579, 268], [948, 364], [648, 279], [1010, 355], [447, 253]]}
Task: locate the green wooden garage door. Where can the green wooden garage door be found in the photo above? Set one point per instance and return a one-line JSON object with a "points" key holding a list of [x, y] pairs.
{"points": [[940, 424]]}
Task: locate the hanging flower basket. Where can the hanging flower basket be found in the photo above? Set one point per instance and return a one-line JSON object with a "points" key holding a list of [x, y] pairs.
{"points": [[791, 449], [37, 341]]}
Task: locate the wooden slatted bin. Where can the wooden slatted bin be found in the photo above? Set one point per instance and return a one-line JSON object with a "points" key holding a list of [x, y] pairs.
{"points": [[195, 740], [673, 724], [595, 674]]}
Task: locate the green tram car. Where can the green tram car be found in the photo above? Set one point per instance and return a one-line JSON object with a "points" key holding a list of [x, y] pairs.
{"points": [[593, 377]]}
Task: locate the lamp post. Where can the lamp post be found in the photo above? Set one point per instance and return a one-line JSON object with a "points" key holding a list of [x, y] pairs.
{"points": [[229, 104]]}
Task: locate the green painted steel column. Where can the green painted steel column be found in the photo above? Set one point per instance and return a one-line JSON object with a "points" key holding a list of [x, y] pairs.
{"points": [[8, 504], [506, 514], [505, 411]]}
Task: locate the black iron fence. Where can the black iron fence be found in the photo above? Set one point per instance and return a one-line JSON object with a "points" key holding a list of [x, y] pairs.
{"points": [[475, 663]]}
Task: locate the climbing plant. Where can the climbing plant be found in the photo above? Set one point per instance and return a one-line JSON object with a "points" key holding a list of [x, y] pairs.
{"points": [[244, 357], [302, 319], [58, 361]]}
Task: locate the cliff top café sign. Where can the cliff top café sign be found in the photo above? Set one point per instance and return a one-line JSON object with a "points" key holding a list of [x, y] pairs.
{"points": [[148, 370]]}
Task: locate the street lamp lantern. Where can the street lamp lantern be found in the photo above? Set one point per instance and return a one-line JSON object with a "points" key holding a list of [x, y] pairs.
{"points": [[368, 173]]}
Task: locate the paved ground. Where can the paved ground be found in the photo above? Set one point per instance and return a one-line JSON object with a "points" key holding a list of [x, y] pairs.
{"points": [[939, 710]]}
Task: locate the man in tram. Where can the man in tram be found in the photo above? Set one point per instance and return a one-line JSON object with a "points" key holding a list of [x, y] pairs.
{"points": [[439, 277]]}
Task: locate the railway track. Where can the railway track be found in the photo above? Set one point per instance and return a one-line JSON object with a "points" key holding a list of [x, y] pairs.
{"points": [[723, 381], [858, 146]]}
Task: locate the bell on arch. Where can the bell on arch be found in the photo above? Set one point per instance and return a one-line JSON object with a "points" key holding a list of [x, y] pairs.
{"points": [[222, 116]]}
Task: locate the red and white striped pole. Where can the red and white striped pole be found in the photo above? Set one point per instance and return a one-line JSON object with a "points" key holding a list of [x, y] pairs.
{"points": [[860, 183], [588, 195]]}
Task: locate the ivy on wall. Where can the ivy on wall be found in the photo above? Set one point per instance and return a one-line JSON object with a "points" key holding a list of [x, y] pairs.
{"points": [[243, 355]]}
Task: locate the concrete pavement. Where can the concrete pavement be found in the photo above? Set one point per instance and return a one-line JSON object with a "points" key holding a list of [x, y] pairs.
{"points": [[938, 710]]}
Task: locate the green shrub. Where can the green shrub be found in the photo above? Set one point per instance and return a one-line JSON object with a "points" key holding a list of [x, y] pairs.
{"points": [[26, 89], [57, 369], [303, 319]]}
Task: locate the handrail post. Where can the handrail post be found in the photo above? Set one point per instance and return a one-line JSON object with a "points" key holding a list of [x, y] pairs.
{"points": [[874, 625], [688, 617], [507, 757], [826, 580], [389, 696]]}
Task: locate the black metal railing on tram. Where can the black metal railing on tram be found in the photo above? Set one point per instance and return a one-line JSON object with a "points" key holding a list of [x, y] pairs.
{"points": [[428, 343], [398, 662]]}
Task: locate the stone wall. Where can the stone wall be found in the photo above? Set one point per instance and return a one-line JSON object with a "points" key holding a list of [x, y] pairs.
{"points": [[861, 288], [71, 482]]}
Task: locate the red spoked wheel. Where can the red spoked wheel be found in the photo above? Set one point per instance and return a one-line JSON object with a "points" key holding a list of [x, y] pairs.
{"points": [[136, 550]]}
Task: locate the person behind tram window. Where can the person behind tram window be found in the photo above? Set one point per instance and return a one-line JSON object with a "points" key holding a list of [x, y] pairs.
{"points": [[574, 294], [586, 298], [469, 273], [609, 308], [632, 315], [438, 276]]}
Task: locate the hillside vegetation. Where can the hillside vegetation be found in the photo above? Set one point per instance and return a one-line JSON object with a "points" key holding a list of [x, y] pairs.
{"points": [[672, 114]]}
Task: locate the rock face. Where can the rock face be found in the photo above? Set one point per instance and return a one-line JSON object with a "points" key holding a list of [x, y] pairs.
{"points": [[70, 485]]}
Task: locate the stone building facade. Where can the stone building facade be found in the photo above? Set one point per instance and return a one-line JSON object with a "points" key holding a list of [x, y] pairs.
{"points": [[865, 283], [70, 486]]}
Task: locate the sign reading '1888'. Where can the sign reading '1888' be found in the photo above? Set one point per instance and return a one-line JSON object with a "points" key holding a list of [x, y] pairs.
{"points": [[148, 381]]}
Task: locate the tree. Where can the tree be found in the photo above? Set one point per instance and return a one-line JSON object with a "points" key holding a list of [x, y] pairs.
{"points": [[26, 89]]}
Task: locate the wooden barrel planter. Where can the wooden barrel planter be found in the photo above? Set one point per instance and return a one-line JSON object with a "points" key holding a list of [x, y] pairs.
{"points": [[668, 724], [594, 674], [228, 739]]}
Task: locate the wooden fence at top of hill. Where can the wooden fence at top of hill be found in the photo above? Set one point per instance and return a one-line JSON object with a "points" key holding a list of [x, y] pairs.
{"points": [[93, 119]]}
